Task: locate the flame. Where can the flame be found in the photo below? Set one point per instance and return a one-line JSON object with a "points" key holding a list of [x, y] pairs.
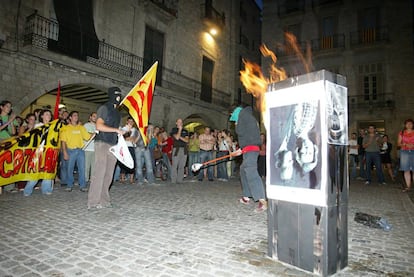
{"points": [[256, 83]]}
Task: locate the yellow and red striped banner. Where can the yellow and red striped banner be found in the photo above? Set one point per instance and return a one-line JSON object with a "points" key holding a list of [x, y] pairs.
{"points": [[32, 156]]}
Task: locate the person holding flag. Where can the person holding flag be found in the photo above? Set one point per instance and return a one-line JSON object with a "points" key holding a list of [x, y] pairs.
{"points": [[107, 123]]}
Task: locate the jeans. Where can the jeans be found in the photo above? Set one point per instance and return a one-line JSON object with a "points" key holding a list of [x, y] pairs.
{"points": [[179, 160], [252, 184], [193, 158], [46, 187], [76, 156], [143, 156], [117, 172], [222, 165], [362, 171], [206, 156], [373, 158], [168, 163], [352, 166], [63, 169]]}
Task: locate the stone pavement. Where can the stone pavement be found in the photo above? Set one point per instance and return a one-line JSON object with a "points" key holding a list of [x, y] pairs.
{"points": [[190, 229]]}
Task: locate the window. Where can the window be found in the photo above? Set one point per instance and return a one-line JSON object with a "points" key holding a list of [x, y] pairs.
{"points": [[153, 51], [207, 80], [371, 81], [77, 37], [368, 25], [328, 31]]}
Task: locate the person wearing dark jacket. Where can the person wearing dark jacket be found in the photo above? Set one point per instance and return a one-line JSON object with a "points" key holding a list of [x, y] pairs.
{"points": [[107, 123], [248, 132]]}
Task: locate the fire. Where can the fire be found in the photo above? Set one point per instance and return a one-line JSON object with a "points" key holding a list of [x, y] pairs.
{"points": [[256, 83]]}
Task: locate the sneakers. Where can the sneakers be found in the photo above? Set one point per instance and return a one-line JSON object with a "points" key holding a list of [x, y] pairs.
{"points": [[383, 183], [262, 206], [367, 182], [69, 189], [244, 200], [84, 189]]}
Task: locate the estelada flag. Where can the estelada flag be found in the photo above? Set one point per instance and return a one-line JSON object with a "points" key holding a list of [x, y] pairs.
{"points": [[139, 100]]}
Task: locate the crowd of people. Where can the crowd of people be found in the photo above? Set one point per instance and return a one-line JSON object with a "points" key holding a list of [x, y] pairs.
{"points": [[84, 145], [370, 151]]}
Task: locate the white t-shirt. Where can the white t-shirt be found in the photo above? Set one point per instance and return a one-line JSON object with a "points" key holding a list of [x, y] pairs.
{"points": [[353, 151], [91, 128]]}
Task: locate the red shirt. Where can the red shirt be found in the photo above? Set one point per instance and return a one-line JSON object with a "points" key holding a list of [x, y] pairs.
{"points": [[168, 147]]}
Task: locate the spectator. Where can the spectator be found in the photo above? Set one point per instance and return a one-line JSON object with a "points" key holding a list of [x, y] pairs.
{"points": [[353, 154], [224, 148], [72, 139], [143, 158], [153, 133], [166, 148], [371, 143], [130, 135], [207, 144], [45, 118], [7, 130], [361, 155], [406, 143], [8, 121], [28, 125], [90, 126], [385, 153], [180, 152], [193, 152]]}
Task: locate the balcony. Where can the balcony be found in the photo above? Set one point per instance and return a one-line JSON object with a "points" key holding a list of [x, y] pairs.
{"points": [[336, 41], [169, 6], [369, 36], [380, 102], [43, 33]]}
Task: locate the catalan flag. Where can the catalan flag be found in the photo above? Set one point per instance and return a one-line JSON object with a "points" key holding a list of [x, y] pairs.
{"points": [[139, 100]]}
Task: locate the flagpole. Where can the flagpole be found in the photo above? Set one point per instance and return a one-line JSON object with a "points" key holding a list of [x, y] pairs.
{"points": [[56, 112]]}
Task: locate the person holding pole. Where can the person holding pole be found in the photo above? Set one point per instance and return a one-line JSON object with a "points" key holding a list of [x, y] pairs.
{"points": [[248, 132], [107, 123]]}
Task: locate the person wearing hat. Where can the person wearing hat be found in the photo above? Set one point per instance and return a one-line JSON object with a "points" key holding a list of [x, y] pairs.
{"points": [[107, 123], [248, 132]]}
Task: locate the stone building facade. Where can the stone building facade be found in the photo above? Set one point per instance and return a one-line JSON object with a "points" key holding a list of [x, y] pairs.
{"points": [[369, 42], [91, 45]]}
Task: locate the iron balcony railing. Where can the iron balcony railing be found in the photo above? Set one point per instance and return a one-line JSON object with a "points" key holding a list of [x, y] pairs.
{"points": [[42, 32], [369, 102], [369, 36]]}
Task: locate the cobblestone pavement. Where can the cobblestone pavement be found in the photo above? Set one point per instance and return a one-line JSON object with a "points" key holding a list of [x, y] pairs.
{"points": [[189, 229]]}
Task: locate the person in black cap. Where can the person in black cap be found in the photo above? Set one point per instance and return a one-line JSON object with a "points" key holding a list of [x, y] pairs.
{"points": [[248, 132], [107, 123]]}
